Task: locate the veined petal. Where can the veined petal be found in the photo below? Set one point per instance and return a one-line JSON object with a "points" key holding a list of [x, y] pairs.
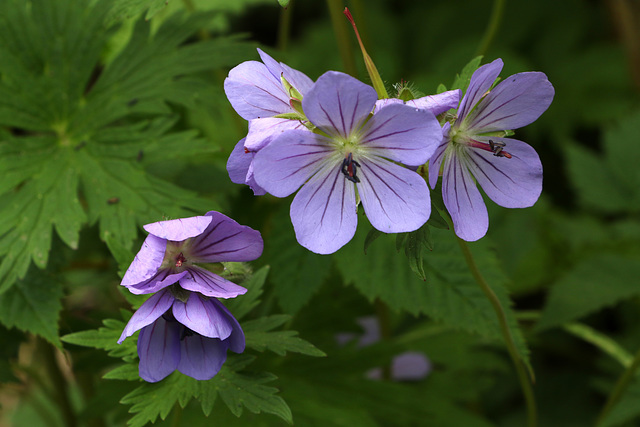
{"points": [[512, 183], [263, 131], [226, 240], [290, 160], [159, 350], [403, 134], [202, 317], [159, 281], [236, 339], [272, 65], [148, 312], [463, 200], [395, 199], [338, 103], [517, 101], [238, 163], [480, 83], [205, 282], [201, 358], [323, 212], [147, 262], [179, 229], [436, 160], [438, 103], [254, 92], [297, 79]]}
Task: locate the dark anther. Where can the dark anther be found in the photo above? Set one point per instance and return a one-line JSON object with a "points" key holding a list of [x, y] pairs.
{"points": [[349, 168], [497, 148], [180, 260]]}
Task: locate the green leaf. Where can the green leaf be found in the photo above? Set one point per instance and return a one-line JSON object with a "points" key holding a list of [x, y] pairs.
{"points": [[627, 408], [594, 283], [283, 3], [241, 306], [416, 245], [126, 9], [259, 338], [462, 80], [602, 341], [127, 372], [105, 338]]}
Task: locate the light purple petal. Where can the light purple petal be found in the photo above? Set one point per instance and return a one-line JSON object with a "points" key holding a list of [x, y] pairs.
{"points": [[251, 181], [147, 262], [438, 156], [202, 317], [201, 357], [290, 160], [226, 240], [517, 101], [438, 103], [395, 199], [236, 339], [148, 312], [179, 229], [272, 65], [480, 83], [297, 79], [205, 282], [338, 103], [463, 200], [159, 350], [254, 92], [263, 131], [323, 212], [512, 183], [238, 163], [403, 134]]}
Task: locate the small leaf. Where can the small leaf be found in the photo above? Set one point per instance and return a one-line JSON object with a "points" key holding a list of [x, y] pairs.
{"points": [[462, 80], [105, 338], [280, 342], [283, 3], [241, 306], [372, 235]]}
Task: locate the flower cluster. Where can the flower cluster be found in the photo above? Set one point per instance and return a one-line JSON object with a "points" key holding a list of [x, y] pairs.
{"points": [[339, 145], [182, 325]]}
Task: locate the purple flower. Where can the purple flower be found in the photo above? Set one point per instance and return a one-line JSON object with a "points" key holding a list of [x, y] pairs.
{"points": [[437, 104], [173, 248], [351, 155], [262, 93], [185, 331], [475, 146]]}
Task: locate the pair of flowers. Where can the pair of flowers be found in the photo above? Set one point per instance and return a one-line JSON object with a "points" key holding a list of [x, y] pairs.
{"points": [[342, 145]]}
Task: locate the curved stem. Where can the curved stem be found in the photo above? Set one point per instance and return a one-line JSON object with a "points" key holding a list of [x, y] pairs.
{"points": [[523, 377], [619, 389], [492, 28], [342, 36]]}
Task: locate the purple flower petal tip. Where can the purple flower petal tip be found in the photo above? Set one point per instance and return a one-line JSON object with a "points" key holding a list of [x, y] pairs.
{"points": [[179, 229]]}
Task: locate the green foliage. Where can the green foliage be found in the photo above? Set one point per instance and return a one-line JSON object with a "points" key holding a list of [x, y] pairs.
{"points": [[259, 338], [126, 9], [462, 80], [105, 338]]}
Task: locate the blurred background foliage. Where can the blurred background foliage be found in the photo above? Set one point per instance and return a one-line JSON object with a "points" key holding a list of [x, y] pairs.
{"points": [[571, 263]]}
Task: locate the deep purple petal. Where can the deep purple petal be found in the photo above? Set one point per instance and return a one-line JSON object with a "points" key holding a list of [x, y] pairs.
{"points": [[403, 134], [202, 316], [395, 199], [159, 349], [438, 103], [179, 229], [200, 357], [225, 240], [517, 101], [338, 103], [263, 131], [323, 212], [161, 280], [205, 282], [438, 156], [290, 160], [148, 312], [254, 92], [238, 163], [480, 83], [236, 339], [512, 183], [463, 200], [147, 262]]}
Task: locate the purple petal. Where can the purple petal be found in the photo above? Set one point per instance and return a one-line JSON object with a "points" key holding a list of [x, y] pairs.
{"points": [[254, 92], [463, 200], [148, 312], [202, 316], [238, 163], [147, 262], [512, 183], [438, 103], [201, 357], [323, 212], [480, 83], [410, 366], [297, 79], [438, 156], [236, 339], [403, 134], [179, 229], [338, 103], [205, 282], [263, 131], [226, 240], [272, 65], [251, 182], [290, 160], [157, 282], [395, 199], [517, 101], [159, 350]]}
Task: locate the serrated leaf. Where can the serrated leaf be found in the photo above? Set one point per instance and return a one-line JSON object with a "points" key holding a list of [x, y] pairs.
{"points": [[240, 307], [462, 80], [126, 9], [127, 372], [259, 338], [105, 338]]}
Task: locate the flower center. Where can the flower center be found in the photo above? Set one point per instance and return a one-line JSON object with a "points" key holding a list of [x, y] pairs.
{"points": [[176, 255], [350, 168]]}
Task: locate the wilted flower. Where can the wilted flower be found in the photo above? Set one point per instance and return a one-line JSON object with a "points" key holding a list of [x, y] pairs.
{"points": [[185, 331], [475, 146], [350, 150], [173, 248]]}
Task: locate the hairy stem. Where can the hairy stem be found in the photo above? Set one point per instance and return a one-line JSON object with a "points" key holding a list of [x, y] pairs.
{"points": [[619, 389], [342, 36], [492, 27], [523, 377]]}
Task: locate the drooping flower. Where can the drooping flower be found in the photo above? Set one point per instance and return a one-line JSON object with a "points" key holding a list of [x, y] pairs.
{"points": [[185, 331], [173, 249], [475, 146], [268, 94], [350, 151]]}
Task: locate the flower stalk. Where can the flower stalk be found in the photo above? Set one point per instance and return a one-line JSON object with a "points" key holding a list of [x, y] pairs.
{"points": [[619, 389]]}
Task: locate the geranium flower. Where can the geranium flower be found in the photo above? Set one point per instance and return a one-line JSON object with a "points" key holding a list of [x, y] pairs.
{"points": [[185, 331], [475, 146], [173, 248], [350, 151], [437, 104]]}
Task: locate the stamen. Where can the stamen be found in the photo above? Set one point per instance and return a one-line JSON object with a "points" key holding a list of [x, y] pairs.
{"points": [[180, 259], [497, 148], [349, 168]]}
